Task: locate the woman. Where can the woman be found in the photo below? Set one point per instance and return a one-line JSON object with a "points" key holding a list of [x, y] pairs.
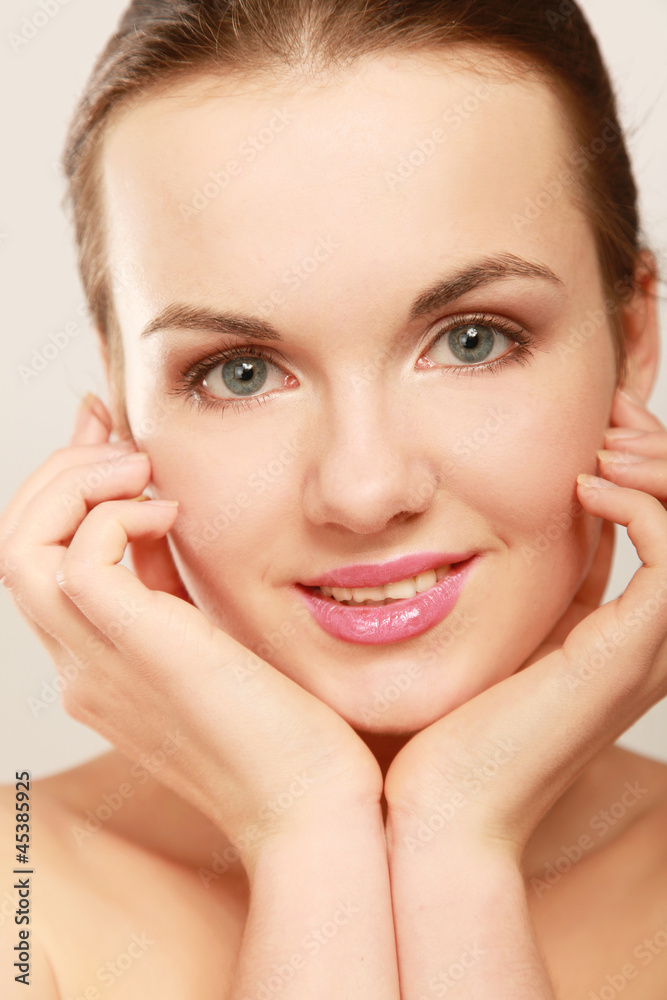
{"points": [[298, 227]]}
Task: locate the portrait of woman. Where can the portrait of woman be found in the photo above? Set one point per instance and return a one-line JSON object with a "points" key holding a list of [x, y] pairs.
{"points": [[380, 329]]}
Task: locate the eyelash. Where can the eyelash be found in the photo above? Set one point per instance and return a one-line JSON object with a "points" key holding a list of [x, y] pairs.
{"points": [[190, 378]]}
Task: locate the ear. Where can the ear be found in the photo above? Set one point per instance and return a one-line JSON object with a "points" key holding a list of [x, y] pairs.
{"points": [[641, 325]]}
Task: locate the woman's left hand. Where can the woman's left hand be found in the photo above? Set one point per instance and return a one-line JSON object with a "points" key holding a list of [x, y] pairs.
{"points": [[595, 674]]}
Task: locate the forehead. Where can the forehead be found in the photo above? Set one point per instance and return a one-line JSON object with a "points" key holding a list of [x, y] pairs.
{"points": [[218, 184]]}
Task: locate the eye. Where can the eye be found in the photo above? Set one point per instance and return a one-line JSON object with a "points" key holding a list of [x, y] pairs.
{"points": [[232, 377], [469, 342], [242, 376]]}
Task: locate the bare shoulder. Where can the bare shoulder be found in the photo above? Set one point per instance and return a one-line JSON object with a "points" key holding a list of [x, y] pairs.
{"points": [[599, 900], [111, 912]]}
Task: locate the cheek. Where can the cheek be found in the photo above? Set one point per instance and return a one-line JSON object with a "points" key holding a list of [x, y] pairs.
{"points": [[529, 482], [549, 434], [231, 490]]}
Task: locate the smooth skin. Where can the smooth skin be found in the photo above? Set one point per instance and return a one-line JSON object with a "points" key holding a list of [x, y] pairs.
{"points": [[377, 415]]}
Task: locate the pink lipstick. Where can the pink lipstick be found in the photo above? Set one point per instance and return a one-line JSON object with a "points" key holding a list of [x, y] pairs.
{"points": [[398, 619]]}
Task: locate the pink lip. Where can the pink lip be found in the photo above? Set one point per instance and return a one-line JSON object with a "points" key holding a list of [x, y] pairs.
{"points": [[377, 574], [393, 622]]}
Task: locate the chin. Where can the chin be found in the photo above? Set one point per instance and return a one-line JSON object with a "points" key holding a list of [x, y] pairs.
{"points": [[398, 719]]}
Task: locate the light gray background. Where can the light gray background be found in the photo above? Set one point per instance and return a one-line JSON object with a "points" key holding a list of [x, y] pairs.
{"points": [[41, 294]]}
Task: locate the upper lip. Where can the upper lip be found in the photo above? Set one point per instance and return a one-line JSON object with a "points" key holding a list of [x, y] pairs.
{"points": [[377, 574]]}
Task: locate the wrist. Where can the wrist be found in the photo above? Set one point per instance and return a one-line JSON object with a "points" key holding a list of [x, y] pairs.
{"points": [[468, 898], [439, 837], [309, 836]]}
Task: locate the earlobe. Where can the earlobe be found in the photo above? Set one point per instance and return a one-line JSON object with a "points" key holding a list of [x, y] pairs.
{"points": [[641, 328]]}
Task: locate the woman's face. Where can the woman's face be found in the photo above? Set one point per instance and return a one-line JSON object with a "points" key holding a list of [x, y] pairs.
{"points": [[365, 433]]}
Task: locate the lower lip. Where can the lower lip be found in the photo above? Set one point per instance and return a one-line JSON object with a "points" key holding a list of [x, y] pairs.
{"points": [[389, 622]]}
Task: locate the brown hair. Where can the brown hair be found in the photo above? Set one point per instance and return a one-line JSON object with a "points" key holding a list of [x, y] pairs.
{"points": [[159, 42]]}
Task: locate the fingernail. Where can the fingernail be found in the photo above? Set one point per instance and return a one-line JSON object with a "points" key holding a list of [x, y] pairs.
{"points": [[616, 433], [619, 457], [631, 396], [595, 482]]}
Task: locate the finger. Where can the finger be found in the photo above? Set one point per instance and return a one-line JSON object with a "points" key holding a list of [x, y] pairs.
{"points": [[650, 444], [21, 599], [106, 592], [93, 423], [649, 475], [33, 552], [646, 521], [626, 413], [53, 515], [62, 629], [609, 671], [62, 458]]}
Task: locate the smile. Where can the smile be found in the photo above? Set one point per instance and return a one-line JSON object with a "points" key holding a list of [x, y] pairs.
{"points": [[392, 612]]}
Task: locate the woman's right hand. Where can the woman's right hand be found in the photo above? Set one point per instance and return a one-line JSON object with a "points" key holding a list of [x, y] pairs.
{"points": [[138, 663]]}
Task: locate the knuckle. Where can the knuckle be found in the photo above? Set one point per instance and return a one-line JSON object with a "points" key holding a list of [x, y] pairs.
{"points": [[60, 455], [654, 503], [10, 560], [81, 482]]}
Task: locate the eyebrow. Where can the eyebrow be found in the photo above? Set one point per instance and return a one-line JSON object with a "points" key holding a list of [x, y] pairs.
{"points": [[440, 293]]}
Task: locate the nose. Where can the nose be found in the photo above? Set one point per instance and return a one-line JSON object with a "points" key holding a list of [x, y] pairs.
{"points": [[369, 464]]}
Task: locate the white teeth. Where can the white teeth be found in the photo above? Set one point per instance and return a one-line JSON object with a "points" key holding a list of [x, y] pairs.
{"points": [[380, 595], [426, 580]]}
